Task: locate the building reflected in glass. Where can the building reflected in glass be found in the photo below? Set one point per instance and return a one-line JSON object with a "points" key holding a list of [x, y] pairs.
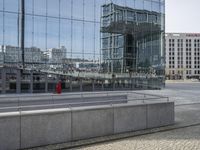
{"points": [[132, 39], [116, 36]]}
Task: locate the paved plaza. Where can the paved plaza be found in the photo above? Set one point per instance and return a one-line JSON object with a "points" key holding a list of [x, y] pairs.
{"points": [[179, 139], [180, 93]]}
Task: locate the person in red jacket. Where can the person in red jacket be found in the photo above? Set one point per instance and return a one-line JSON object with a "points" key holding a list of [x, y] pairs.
{"points": [[58, 88]]}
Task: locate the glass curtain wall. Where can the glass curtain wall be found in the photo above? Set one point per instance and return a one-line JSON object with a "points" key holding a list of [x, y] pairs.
{"points": [[69, 27], [104, 36], [132, 36]]}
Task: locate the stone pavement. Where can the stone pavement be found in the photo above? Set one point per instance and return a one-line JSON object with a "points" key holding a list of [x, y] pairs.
{"points": [[179, 139]]}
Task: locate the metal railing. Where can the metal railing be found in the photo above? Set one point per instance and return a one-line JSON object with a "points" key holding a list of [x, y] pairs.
{"points": [[10, 103]]}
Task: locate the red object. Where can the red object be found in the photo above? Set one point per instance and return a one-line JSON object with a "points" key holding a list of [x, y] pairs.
{"points": [[58, 88]]}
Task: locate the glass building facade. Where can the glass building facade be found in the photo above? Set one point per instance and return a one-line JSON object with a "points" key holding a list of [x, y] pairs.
{"points": [[112, 36], [132, 38], [52, 24]]}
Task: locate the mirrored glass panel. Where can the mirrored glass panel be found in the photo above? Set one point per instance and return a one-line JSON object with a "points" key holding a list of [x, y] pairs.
{"points": [[40, 32], [40, 7], [66, 8], [11, 5], [130, 3], [53, 8], [139, 4], [11, 29], [147, 5], [29, 6], [77, 9], [111, 37], [156, 7], [89, 38], [77, 37], [53, 33], [97, 41], [29, 31], [65, 34], [1, 28], [1, 4], [89, 10]]}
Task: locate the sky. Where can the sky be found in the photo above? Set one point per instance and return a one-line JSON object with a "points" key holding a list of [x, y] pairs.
{"points": [[182, 16]]}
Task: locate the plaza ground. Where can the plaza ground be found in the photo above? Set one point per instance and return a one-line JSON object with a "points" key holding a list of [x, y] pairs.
{"points": [[179, 139]]}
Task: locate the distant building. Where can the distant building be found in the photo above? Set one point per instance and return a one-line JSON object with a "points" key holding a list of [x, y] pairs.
{"points": [[56, 55], [182, 55], [14, 55], [44, 57]]}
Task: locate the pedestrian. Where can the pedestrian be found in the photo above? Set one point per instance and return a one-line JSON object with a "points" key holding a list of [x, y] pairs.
{"points": [[59, 87]]}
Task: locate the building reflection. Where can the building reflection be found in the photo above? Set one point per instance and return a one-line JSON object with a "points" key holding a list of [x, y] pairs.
{"points": [[109, 41]]}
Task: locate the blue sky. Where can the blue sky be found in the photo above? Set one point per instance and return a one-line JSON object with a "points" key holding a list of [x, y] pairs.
{"points": [[182, 16]]}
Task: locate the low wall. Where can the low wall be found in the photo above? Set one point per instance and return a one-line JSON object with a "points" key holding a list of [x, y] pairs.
{"points": [[9, 131], [38, 128]]}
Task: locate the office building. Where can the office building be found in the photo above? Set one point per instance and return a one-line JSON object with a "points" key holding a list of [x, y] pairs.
{"points": [[182, 55]]}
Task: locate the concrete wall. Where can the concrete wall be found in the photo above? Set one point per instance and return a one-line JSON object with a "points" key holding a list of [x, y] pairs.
{"points": [[38, 128], [160, 114], [129, 118], [45, 127], [92, 122], [9, 131]]}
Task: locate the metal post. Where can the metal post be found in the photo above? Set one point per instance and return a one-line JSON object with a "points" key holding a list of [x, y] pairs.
{"points": [[133, 83], [18, 82], [70, 84], [46, 83], [102, 85], [31, 82], [81, 85], [22, 20], [144, 98], [93, 88], [3, 80], [113, 84]]}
